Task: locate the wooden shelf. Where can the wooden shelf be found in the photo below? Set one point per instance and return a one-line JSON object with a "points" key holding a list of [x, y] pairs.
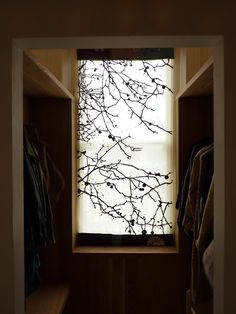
{"points": [[201, 84], [50, 298], [40, 82]]}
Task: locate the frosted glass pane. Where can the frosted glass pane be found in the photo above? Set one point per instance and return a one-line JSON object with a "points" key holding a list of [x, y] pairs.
{"points": [[110, 171]]}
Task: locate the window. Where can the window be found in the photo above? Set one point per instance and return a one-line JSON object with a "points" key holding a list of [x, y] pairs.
{"points": [[125, 176]]}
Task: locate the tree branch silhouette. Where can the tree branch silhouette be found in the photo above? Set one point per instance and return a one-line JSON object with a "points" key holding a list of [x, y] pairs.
{"points": [[98, 114]]}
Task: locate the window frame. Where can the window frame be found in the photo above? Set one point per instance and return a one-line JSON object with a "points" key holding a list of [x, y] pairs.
{"points": [[125, 240]]}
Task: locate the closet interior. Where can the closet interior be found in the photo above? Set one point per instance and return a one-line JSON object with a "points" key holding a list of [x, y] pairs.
{"points": [[195, 151], [50, 87], [49, 111]]}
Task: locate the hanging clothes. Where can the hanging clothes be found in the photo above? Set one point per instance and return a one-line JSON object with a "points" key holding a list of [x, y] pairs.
{"points": [[184, 184], [196, 217], [201, 290], [53, 177], [208, 262], [199, 183], [38, 216]]}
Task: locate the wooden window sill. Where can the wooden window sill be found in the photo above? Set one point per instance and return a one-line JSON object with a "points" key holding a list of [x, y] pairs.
{"points": [[126, 250]]}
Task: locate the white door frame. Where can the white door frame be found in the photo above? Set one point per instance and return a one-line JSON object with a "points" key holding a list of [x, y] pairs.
{"points": [[119, 42]]}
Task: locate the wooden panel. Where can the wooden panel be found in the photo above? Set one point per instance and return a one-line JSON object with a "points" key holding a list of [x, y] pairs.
{"points": [[201, 83], [49, 299], [74, 73], [60, 62], [39, 81], [195, 58], [52, 59], [120, 284], [74, 173], [195, 124], [180, 65]]}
